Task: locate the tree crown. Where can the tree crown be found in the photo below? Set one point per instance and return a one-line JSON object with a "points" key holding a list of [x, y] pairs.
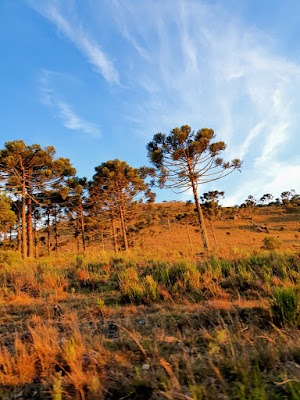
{"points": [[184, 156]]}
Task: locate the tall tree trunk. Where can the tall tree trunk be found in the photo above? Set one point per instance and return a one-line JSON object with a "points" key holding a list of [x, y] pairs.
{"points": [[188, 232], [213, 232], [19, 236], [29, 226], [200, 217], [35, 241], [114, 233], [48, 231], [56, 230], [77, 237], [198, 207], [82, 225], [123, 227], [24, 236]]}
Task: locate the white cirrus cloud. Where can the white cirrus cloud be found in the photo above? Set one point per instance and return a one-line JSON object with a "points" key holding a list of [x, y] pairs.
{"points": [[194, 62], [62, 109], [74, 122], [212, 69], [87, 45]]}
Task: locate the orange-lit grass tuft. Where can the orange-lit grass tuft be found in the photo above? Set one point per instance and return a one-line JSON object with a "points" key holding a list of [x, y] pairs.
{"points": [[18, 368]]}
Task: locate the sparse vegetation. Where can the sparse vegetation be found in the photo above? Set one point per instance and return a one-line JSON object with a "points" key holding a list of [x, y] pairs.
{"points": [[105, 327], [286, 305]]}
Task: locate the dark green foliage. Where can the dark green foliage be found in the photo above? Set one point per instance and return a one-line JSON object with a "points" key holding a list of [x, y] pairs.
{"points": [[285, 308]]}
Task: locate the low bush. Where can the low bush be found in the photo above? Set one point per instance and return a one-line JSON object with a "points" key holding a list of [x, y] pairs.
{"points": [[150, 287], [285, 308], [10, 257], [272, 243], [130, 286]]}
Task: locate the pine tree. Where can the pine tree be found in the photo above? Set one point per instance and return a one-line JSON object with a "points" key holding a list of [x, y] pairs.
{"points": [[27, 171], [117, 188], [185, 159]]}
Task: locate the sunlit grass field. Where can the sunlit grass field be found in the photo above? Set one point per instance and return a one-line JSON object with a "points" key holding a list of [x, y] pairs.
{"points": [[167, 237], [137, 326]]}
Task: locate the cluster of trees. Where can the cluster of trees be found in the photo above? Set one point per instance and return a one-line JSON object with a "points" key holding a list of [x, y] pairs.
{"points": [[38, 188], [38, 191], [41, 189], [289, 199]]}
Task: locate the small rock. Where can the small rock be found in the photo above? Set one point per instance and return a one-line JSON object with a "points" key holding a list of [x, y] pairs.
{"points": [[145, 367], [141, 322]]}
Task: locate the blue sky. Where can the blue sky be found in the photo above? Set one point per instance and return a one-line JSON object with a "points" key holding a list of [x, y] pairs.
{"points": [[98, 78]]}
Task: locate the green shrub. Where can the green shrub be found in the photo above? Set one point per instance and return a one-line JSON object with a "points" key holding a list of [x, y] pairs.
{"points": [[129, 285], [191, 279], [285, 308], [183, 274], [272, 243], [135, 293], [10, 257], [150, 288]]}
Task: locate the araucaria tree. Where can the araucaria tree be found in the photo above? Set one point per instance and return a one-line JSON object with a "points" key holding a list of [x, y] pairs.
{"points": [[27, 171], [184, 159], [115, 189], [78, 186]]}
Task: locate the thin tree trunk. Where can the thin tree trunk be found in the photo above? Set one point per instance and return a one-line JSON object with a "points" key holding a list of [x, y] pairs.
{"points": [[213, 232], [56, 231], [24, 236], [188, 232], [114, 234], [29, 226], [19, 236], [200, 217], [82, 225], [77, 237], [48, 231], [123, 227], [199, 209], [36, 252]]}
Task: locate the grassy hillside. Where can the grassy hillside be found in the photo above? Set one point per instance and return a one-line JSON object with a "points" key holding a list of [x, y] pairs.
{"points": [[165, 232], [165, 320], [139, 326]]}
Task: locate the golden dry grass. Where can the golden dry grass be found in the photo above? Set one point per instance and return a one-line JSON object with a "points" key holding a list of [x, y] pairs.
{"points": [[161, 322]]}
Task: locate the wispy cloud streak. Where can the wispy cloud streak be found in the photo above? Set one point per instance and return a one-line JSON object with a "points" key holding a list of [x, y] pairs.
{"points": [[74, 122], [63, 110], [212, 70], [194, 62], [82, 40]]}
